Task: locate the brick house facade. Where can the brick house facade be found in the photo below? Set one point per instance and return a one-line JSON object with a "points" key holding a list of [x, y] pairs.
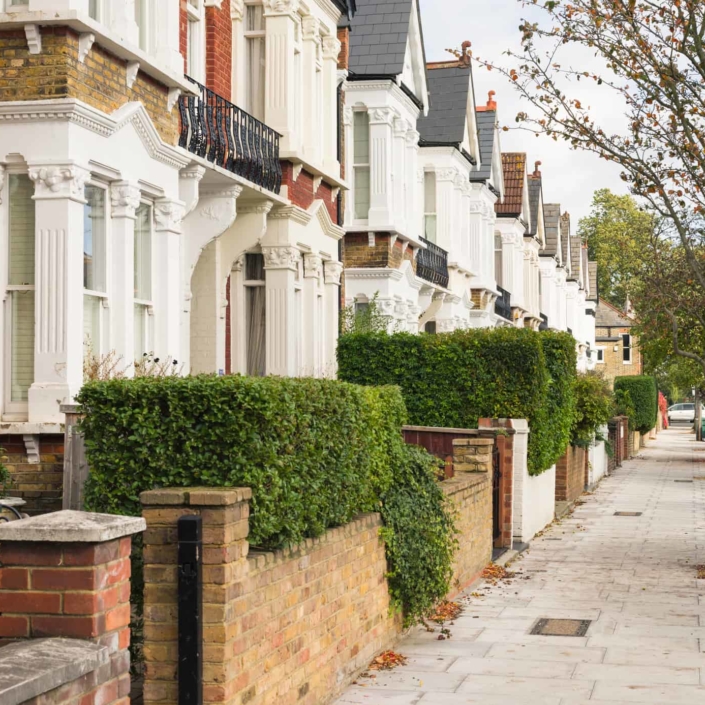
{"points": [[617, 347]]}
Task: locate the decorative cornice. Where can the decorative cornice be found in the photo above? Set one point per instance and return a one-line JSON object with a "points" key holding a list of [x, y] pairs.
{"points": [[318, 208], [280, 7], [387, 85], [74, 111], [281, 257], [262, 208], [125, 199], [447, 174], [57, 181], [298, 215], [221, 192]]}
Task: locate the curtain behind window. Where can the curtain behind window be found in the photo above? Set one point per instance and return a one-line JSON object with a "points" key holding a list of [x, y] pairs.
{"points": [[256, 315]]}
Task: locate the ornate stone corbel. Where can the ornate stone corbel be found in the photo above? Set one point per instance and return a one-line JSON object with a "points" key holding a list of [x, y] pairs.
{"points": [[313, 265], [65, 181], [174, 94], [34, 38], [281, 257], [311, 27], [131, 74], [237, 10], [280, 7], [168, 215], [85, 42], [316, 183], [125, 199], [382, 116], [31, 444], [189, 180], [347, 116], [331, 48], [332, 272]]}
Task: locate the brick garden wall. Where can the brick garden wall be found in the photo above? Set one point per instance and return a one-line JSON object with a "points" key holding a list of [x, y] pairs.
{"points": [[101, 81], [570, 475], [40, 484], [289, 627]]}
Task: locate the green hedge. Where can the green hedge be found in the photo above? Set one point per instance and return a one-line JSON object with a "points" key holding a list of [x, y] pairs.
{"points": [[457, 378], [314, 452], [643, 393], [594, 408]]}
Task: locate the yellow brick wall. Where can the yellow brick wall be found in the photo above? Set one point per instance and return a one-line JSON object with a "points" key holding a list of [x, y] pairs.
{"points": [[291, 627], [101, 81], [614, 365]]}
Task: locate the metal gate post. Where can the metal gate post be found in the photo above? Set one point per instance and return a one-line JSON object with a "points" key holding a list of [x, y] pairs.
{"points": [[190, 605]]}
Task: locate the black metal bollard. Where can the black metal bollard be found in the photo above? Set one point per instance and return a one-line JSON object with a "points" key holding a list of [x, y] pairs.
{"points": [[190, 605]]}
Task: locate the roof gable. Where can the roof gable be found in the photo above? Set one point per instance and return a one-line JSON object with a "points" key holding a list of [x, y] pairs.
{"points": [[516, 190], [537, 228], [386, 40], [609, 316], [566, 243], [489, 167], [552, 224], [592, 280]]}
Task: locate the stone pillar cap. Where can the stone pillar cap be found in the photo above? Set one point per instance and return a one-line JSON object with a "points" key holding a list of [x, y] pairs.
{"points": [[69, 526], [196, 496]]}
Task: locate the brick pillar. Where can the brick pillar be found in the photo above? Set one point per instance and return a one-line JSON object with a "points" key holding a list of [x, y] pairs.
{"points": [[472, 454], [225, 514], [67, 574]]}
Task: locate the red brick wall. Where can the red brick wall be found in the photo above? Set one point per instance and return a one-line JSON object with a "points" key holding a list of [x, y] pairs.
{"points": [[219, 43], [183, 32], [570, 474], [40, 484], [301, 191], [344, 56]]}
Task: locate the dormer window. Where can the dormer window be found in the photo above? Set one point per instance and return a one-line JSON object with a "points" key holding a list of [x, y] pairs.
{"points": [[361, 164], [255, 69], [429, 207]]}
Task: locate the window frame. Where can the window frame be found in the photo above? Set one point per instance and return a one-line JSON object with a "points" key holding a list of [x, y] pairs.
{"points": [[600, 355], [426, 213], [250, 34], [12, 410], [361, 166], [196, 40], [256, 283], [498, 276], [148, 303], [627, 354], [102, 296]]}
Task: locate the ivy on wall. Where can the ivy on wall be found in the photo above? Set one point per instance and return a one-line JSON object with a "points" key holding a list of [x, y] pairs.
{"points": [[455, 379]]}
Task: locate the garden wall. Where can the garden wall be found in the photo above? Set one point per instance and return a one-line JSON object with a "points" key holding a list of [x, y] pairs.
{"points": [[598, 462], [291, 626], [570, 475]]}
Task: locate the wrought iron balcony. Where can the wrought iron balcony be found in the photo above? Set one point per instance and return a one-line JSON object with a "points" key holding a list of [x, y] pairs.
{"points": [[432, 264], [503, 304], [544, 322], [222, 133]]}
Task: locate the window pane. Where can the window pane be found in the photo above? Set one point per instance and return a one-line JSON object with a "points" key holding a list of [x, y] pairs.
{"points": [[141, 342], [21, 230], [362, 192], [254, 267], [94, 240], [92, 306], [430, 228], [429, 182], [141, 20], [93, 9], [361, 127], [255, 76], [143, 253], [255, 18], [626, 341], [256, 331], [22, 355]]}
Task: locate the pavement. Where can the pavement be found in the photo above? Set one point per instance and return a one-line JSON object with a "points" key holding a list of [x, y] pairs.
{"points": [[633, 577]]}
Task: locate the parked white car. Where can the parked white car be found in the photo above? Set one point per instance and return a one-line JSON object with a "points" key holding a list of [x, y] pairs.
{"points": [[681, 412]]}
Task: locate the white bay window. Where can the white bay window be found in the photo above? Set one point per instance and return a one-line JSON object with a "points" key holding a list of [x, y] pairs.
{"points": [[361, 164], [255, 64], [430, 212], [94, 272]]}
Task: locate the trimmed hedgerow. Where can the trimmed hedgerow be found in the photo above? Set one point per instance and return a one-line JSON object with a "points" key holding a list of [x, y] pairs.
{"points": [[594, 408], [315, 452], [455, 379], [643, 394]]}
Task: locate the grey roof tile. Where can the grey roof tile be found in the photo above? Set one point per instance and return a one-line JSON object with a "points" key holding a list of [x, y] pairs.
{"points": [[534, 201], [609, 316], [551, 221], [446, 119], [592, 273]]}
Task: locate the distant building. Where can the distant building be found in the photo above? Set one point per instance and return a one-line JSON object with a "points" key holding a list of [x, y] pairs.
{"points": [[617, 347]]}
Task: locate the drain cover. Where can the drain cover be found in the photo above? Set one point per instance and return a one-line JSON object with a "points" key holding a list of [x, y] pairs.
{"points": [[561, 627], [627, 514]]}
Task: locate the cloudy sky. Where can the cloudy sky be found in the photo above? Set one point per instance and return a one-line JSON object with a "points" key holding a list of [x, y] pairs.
{"points": [[569, 177]]}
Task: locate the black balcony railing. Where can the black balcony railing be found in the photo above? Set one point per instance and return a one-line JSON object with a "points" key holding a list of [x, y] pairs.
{"points": [[222, 133], [544, 322], [432, 264], [503, 304]]}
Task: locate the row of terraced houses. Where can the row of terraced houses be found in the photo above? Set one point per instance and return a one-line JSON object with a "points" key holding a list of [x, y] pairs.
{"points": [[213, 181]]}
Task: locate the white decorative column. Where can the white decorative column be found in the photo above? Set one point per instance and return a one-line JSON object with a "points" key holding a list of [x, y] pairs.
{"points": [[332, 271], [58, 341], [281, 263], [400, 128], [312, 110], [313, 270], [279, 90], [125, 198], [381, 166], [329, 112], [348, 142], [445, 188], [166, 293], [238, 317]]}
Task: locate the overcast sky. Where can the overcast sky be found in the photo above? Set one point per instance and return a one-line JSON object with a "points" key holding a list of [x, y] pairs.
{"points": [[569, 177]]}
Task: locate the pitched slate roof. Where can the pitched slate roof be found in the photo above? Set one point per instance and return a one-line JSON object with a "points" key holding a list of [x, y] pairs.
{"points": [[514, 167], [486, 124], [378, 37], [448, 87], [565, 239], [576, 253], [552, 223], [592, 277], [609, 316], [586, 273], [534, 201]]}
